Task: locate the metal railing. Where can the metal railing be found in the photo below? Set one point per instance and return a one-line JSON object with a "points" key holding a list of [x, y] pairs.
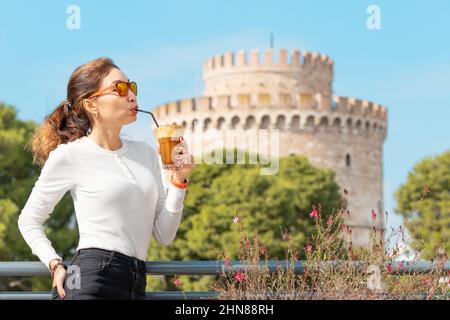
{"points": [[170, 268]]}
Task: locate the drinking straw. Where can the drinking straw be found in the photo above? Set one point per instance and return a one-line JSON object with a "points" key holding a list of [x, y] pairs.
{"points": [[156, 122]]}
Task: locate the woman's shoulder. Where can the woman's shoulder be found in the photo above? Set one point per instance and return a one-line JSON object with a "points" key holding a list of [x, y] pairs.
{"points": [[60, 151], [60, 156], [75, 146], [73, 150]]}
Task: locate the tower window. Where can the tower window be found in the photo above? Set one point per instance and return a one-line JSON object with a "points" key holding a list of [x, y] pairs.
{"points": [[347, 160]]}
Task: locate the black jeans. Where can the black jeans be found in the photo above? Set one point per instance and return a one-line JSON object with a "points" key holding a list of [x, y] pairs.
{"points": [[97, 274]]}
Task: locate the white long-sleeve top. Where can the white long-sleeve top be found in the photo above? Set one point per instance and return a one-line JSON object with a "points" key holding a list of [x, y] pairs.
{"points": [[119, 198]]}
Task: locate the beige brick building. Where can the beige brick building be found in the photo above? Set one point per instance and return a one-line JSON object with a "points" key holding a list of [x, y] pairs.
{"points": [[294, 95]]}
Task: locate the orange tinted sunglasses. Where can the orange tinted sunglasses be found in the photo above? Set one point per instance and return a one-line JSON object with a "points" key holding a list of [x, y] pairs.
{"points": [[122, 88]]}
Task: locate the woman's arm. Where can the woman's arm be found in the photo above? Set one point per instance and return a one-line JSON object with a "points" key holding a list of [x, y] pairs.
{"points": [[169, 207], [56, 178]]}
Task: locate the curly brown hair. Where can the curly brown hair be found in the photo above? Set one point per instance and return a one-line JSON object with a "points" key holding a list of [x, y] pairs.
{"points": [[70, 121]]}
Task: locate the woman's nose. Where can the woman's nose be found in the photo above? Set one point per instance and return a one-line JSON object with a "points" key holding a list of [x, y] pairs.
{"points": [[131, 96]]}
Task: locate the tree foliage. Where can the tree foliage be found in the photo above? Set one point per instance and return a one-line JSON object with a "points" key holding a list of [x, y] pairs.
{"points": [[17, 178], [428, 216]]}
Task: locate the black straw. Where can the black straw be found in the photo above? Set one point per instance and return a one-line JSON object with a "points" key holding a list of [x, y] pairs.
{"points": [[156, 122]]}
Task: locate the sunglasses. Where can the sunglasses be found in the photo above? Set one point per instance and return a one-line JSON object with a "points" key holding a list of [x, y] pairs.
{"points": [[122, 88]]}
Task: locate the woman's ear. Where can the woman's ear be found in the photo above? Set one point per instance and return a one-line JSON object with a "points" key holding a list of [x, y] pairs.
{"points": [[90, 106]]}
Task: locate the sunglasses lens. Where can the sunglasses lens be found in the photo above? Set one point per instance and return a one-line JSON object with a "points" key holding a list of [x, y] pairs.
{"points": [[133, 87], [122, 89]]}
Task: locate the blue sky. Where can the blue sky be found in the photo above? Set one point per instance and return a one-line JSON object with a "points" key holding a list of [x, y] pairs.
{"points": [[405, 65]]}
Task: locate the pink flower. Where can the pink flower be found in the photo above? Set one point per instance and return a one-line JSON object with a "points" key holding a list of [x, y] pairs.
{"points": [[239, 276], [295, 256], [389, 268], [286, 236], [264, 250], [314, 214], [349, 230], [236, 219], [400, 265], [330, 221], [308, 248], [226, 261], [374, 215], [277, 262], [177, 282]]}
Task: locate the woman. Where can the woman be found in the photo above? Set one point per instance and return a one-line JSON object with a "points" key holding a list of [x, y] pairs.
{"points": [[116, 184]]}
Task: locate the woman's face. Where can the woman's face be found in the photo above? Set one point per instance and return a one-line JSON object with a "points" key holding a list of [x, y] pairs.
{"points": [[112, 109]]}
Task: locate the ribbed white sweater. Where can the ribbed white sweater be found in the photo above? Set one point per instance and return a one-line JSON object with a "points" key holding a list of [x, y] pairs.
{"points": [[119, 198]]}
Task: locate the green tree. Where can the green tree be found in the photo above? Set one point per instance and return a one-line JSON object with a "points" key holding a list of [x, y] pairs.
{"points": [[428, 219], [17, 178], [268, 204]]}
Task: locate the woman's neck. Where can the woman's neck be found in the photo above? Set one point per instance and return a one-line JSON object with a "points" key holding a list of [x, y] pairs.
{"points": [[107, 139]]}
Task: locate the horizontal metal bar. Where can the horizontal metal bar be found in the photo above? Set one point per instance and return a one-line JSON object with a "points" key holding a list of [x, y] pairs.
{"points": [[211, 267], [23, 269], [25, 295], [155, 295], [210, 295], [179, 295]]}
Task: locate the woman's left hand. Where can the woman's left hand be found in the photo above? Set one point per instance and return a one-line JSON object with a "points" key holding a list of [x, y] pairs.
{"points": [[183, 160]]}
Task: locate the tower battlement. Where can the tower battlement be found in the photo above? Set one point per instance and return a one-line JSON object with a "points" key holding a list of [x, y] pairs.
{"points": [[307, 71], [204, 106], [354, 106], [251, 61]]}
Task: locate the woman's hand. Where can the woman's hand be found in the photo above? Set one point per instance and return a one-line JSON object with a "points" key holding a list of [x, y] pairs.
{"points": [[183, 160], [58, 280]]}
